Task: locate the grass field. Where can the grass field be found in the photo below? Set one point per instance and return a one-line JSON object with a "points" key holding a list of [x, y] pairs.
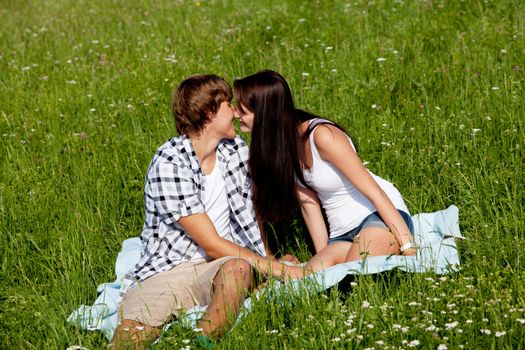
{"points": [[432, 91]]}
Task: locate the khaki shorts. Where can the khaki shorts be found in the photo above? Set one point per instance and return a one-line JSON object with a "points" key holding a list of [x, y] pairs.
{"points": [[160, 297]]}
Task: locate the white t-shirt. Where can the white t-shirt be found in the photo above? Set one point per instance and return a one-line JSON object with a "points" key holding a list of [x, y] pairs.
{"points": [[345, 206], [216, 206]]}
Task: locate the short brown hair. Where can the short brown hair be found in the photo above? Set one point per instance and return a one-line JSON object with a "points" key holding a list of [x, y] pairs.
{"points": [[197, 97]]}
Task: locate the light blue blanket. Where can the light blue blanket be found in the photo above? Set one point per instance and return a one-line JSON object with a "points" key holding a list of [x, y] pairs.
{"points": [[435, 235]]}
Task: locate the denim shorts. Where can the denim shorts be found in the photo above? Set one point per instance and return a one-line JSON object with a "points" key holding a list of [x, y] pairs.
{"points": [[372, 220]]}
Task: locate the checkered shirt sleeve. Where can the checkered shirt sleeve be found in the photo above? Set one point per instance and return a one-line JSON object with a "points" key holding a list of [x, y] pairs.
{"points": [[172, 191]]}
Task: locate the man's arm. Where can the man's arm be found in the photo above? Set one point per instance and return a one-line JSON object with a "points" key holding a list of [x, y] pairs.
{"points": [[203, 232]]}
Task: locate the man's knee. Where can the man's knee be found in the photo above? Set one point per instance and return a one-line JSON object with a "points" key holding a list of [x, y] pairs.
{"points": [[239, 269]]}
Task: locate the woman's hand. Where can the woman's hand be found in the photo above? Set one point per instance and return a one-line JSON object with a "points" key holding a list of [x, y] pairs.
{"points": [[410, 251]]}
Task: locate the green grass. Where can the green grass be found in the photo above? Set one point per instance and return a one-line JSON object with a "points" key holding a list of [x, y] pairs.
{"points": [[432, 91]]}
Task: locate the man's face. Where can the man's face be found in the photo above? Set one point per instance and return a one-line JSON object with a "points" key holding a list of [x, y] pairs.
{"points": [[222, 121]]}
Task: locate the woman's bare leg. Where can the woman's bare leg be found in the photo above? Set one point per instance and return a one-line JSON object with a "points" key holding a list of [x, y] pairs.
{"points": [[333, 254], [373, 241]]}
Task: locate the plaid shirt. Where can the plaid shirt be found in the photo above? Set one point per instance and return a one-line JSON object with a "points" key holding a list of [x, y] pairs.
{"points": [[174, 189]]}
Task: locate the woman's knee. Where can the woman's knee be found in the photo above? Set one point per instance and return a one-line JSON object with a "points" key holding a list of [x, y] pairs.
{"points": [[377, 241]]}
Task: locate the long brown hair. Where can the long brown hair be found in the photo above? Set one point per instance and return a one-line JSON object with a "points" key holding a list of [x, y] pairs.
{"points": [[276, 148]]}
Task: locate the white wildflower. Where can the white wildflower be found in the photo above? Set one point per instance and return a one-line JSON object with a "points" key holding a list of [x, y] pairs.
{"points": [[413, 343], [431, 328], [451, 325], [442, 347], [381, 59]]}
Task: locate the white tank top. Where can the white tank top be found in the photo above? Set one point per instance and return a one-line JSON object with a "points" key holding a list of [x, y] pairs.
{"points": [[345, 206], [216, 206]]}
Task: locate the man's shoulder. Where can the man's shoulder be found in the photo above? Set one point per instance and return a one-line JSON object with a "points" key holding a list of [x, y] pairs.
{"points": [[234, 146], [170, 154]]}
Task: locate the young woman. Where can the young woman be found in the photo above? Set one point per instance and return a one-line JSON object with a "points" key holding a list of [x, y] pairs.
{"points": [[296, 156]]}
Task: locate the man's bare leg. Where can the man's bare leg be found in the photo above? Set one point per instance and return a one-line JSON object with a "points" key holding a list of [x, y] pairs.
{"points": [[230, 287], [134, 335]]}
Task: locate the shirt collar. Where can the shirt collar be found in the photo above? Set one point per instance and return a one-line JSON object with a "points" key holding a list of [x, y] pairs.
{"points": [[225, 150]]}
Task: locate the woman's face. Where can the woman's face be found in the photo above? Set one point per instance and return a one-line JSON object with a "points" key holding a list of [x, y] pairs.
{"points": [[245, 117]]}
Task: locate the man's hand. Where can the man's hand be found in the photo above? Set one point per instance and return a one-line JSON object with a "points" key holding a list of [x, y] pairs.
{"points": [[294, 272], [289, 258]]}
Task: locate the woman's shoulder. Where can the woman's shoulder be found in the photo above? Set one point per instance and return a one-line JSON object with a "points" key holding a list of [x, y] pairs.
{"points": [[326, 131]]}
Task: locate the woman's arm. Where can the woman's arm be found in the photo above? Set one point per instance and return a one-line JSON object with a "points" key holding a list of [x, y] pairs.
{"points": [[313, 217], [334, 147]]}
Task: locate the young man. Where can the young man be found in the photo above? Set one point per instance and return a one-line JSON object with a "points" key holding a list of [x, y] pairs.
{"points": [[201, 239]]}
